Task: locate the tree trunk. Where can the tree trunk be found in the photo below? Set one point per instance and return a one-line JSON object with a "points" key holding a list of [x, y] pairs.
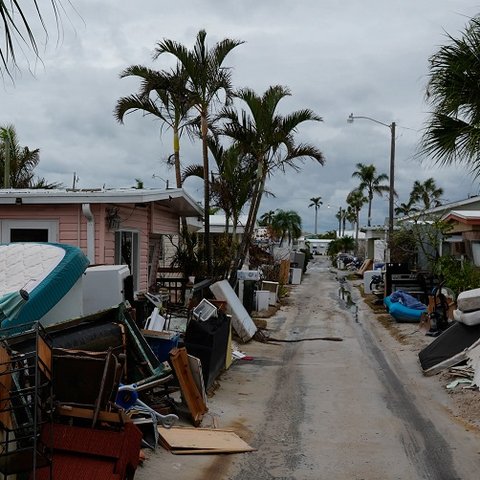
{"points": [[370, 198], [176, 156], [178, 173], [249, 227], [206, 191], [357, 221]]}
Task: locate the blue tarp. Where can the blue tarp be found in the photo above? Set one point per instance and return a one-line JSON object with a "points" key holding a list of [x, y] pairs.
{"points": [[406, 299]]}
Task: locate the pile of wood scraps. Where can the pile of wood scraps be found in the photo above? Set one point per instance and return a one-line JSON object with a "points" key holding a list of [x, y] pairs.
{"points": [[463, 375], [187, 440]]}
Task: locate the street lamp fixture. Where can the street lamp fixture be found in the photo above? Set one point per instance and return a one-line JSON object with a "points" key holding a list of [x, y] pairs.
{"points": [[341, 212], [391, 190]]}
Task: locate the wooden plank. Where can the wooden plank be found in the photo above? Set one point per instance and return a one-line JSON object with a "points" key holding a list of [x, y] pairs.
{"points": [[193, 398], [210, 452], [284, 271], [5, 387], [103, 416], [203, 439], [44, 353]]}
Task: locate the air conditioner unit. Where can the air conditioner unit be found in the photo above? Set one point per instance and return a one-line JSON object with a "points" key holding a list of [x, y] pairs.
{"points": [[248, 275]]}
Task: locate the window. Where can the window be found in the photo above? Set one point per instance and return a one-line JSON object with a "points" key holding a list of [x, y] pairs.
{"points": [[127, 252], [29, 231], [476, 253]]}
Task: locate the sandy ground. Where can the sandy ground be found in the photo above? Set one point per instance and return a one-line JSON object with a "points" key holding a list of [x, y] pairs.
{"points": [[355, 409]]}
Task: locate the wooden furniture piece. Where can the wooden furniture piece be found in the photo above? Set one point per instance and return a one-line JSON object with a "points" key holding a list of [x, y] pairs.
{"points": [[81, 453], [190, 393]]}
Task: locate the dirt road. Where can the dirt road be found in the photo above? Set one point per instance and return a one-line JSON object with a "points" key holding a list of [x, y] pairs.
{"points": [[315, 409]]}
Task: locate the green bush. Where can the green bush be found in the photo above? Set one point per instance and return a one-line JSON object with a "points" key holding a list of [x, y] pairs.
{"points": [[458, 275]]}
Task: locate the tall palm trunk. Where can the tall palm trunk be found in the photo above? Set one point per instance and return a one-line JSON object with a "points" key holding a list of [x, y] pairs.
{"points": [[250, 225], [370, 199], [178, 173], [206, 192], [176, 156], [357, 224]]}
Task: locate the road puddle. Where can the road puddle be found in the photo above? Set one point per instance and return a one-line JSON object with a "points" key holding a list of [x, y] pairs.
{"points": [[346, 296]]}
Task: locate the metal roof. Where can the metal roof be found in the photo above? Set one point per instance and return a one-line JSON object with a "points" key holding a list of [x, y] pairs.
{"points": [[175, 198]]}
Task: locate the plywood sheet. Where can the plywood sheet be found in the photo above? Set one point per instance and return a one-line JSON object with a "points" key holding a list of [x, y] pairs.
{"points": [[202, 440]]}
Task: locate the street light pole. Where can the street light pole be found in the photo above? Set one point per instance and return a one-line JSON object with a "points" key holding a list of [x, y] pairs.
{"points": [[341, 213], [391, 189], [392, 181]]}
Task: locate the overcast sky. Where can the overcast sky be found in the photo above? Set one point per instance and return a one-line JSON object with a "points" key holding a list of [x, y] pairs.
{"points": [[368, 57]]}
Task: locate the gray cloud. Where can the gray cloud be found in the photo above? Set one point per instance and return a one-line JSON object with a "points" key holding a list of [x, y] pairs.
{"points": [[370, 58]]}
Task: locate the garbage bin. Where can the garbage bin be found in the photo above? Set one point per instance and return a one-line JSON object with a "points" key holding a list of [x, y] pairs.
{"points": [[248, 295], [208, 340]]}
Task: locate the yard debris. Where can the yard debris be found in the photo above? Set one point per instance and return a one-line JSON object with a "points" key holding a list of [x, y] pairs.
{"points": [[455, 383]]}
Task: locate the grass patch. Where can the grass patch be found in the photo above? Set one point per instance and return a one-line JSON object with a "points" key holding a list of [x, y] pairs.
{"points": [[392, 326]]}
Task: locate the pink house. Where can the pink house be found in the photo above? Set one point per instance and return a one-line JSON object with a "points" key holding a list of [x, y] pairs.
{"points": [[112, 226]]}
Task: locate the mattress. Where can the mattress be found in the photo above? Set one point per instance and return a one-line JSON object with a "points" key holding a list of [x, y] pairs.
{"points": [[453, 340], [46, 271], [469, 300], [242, 323], [468, 318]]}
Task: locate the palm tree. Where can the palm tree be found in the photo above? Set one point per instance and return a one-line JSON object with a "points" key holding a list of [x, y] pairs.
{"points": [[18, 27], [426, 193], [17, 163], [452, 134], [287, 224], [268, 138], [371, 183], [316, 202], [405, 209], [207, 78], [356, 200], [266, 218], [163, 95], [231, 186], [341, 217]]}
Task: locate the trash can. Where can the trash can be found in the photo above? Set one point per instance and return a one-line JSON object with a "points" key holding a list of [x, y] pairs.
{"points": [[208, 341], [248, 295]]}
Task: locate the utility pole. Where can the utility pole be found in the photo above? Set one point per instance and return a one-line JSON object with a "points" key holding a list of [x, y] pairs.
{"points": [[6, 172]]}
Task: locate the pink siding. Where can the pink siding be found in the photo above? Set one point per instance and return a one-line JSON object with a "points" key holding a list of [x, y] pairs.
{"points": [[164, 221], [72, 227], [67, 216]]}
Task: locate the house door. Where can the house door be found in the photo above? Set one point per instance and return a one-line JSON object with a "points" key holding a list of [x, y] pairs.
{"points": [[127, 252]]}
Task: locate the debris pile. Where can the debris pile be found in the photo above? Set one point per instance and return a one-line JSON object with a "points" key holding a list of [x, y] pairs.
{"points": [[81, 395]]}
